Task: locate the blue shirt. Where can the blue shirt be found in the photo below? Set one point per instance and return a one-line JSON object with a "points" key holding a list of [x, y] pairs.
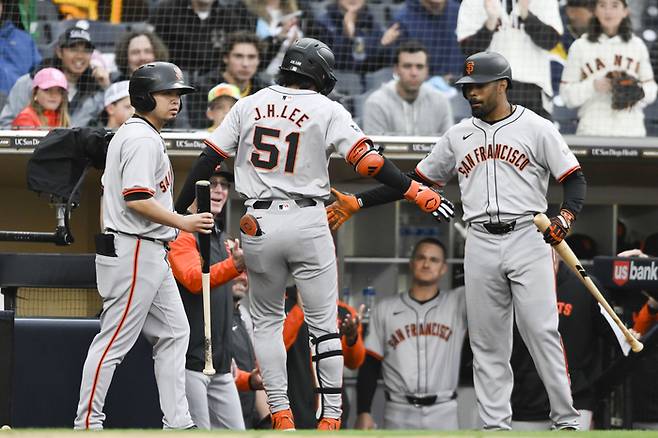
{"points": [[18, 55], [436, 32]]}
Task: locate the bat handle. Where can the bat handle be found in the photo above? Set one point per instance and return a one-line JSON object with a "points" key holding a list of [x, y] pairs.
{"points": [[636, 345]]}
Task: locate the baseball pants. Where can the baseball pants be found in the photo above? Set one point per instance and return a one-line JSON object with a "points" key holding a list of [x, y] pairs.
{"points": [[295, 241], [214, 401], [511, 276], [584, 422], [139, 296], [441, 416]]}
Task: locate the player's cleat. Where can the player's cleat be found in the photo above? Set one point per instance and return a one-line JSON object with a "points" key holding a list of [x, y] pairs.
{"points": [[282, 420], [329, 424]]}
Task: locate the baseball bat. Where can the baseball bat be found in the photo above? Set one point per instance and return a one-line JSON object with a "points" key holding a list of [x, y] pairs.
{"points": [[542, 222], [203, 206]]}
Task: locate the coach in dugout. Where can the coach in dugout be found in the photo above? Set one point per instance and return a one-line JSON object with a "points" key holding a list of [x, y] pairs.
{"points": [[415, 340], [213, 400]]}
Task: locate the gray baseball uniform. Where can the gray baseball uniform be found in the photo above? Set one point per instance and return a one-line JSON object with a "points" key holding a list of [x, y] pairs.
{"points": [[503, 171], [134, 279], [420, 346], [282, 139]]}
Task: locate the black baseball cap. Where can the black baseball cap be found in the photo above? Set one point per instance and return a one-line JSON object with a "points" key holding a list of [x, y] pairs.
{"points": [[581, 3], [74, 35], [221, 171]]}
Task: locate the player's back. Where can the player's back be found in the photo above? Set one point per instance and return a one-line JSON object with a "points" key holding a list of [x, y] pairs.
{"points": [[286, 136]]}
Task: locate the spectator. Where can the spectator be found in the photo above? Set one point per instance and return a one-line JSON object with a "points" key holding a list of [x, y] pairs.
{"points": [[18, 52], [303, 401], [213, 400], [255, 411], [433, 23], [356, 38], [195, 31], [278, 24], [138, 48], [578, 13], [524, 32], [582, 327], [221, 99], [421, 331], [86, 85], [117, 105], [240, 64], [609, 48], [407, 105], [49, 105]]}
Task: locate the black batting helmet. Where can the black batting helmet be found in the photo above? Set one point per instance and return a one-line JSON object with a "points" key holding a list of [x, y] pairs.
{"points": [[152, 77], [313, 59], [484, 67]]}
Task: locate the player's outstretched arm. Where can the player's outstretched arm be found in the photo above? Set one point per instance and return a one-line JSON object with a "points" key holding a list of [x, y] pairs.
{"points": [[202, 170], [347, 204], [368, 161]]}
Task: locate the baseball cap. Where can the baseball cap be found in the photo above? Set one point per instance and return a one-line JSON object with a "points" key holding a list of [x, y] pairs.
{"points": [[74, 35], [581, 3], [115, 92], [50, 77], [220, 170], [223, 89]]}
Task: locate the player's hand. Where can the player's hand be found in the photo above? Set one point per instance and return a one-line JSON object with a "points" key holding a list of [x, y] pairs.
{"points": [[364, 421], [237, 253], [349, 326], [342, 209], [200, 222], [558, 228], [430, 201], [255, 380]]}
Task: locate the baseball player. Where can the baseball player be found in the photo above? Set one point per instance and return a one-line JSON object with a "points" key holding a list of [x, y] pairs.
{"points": [[134, 279], [415, 340], [214, 400], [282, 138], [503, 157]]}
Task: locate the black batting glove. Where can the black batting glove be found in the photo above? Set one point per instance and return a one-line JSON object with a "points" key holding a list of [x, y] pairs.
{"points": [[558, 228], [445, 211]]}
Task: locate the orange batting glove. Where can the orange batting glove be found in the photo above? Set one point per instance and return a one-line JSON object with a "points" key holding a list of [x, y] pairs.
{"points": [[341, 209]]}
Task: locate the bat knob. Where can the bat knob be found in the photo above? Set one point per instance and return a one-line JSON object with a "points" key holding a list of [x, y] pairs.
{"points": [[209, 371]]}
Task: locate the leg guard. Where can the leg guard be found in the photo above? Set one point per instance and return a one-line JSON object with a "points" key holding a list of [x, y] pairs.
{"points": [[327, 362]]}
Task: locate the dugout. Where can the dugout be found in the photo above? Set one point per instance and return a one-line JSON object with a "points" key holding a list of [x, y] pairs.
{"points": [[622, 189], [44, 347]]}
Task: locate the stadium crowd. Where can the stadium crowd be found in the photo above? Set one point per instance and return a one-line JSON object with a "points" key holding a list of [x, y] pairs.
{"points": [[397, 60]]}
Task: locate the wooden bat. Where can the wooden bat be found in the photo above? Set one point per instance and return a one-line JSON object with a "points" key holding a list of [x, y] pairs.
{"points": [[203, 206], [542, 222]]}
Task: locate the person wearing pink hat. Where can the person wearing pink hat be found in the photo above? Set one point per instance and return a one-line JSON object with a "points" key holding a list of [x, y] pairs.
{"points": [[49, 104], [221, 99]]}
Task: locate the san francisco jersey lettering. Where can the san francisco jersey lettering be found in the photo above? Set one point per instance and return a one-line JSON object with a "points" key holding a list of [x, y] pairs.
{"points": [[504, 167]]}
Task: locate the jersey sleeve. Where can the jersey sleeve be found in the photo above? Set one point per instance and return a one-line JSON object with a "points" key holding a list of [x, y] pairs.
{"points": [[554, 152], [439, 165], [375, 337], [342, 133], [224, 139], [139, 158]]}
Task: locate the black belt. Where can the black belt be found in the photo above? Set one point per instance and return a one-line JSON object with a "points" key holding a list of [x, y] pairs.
{"points": [[420, 401], [304, 202], [500, 227], [164, 243]]}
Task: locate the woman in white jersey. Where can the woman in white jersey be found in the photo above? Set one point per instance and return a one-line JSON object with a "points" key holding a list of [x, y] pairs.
{"points": [[608, 48]]}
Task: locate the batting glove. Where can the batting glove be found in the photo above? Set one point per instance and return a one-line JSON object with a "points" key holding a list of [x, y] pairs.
{"points": [[430, 201], [342, 209], [559, 227]]}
